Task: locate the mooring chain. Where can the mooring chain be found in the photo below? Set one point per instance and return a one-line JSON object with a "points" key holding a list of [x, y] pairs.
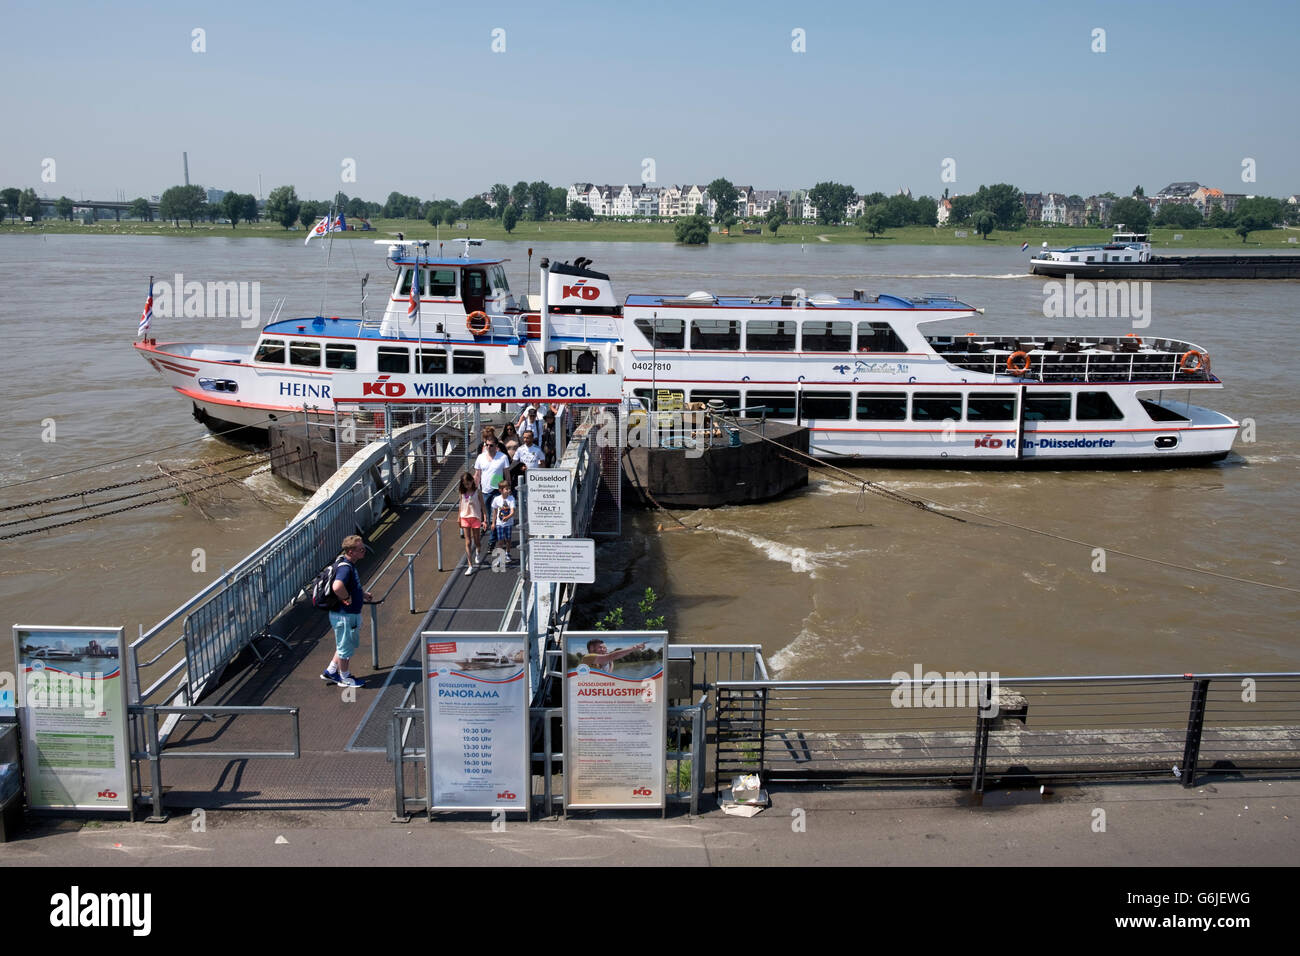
{"points": [[120, 484]]}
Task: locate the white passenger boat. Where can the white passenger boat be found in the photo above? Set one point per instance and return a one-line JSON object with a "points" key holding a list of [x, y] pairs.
{"points": [[862, 372]]}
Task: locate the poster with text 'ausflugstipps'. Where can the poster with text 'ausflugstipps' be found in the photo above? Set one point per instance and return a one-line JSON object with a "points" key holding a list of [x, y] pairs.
{"points": [[615, 719]]}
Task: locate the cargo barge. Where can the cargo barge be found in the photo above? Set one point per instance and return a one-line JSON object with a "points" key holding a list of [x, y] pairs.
{"points": [[1128, 256]]}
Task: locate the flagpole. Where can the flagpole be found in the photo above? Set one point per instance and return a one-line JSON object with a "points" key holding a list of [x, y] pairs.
{"points": [[329, 248]]}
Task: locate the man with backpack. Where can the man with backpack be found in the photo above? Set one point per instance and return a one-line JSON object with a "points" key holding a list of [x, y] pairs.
{"points": [[346, 618]]}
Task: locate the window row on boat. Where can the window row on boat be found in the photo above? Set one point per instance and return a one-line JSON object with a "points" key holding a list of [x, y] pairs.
{"points": [[342, 357], [770, 335], [441, 283], [895, 405]]}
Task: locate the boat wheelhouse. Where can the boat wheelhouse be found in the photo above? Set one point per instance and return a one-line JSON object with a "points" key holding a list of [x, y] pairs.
{"points": [[1125, 246], [862, 372]]}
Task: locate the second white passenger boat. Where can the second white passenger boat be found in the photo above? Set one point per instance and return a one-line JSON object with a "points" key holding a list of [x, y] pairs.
{"points": [[862, 372]]}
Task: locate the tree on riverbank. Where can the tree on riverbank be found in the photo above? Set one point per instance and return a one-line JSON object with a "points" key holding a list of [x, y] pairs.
{"points": [[9, 197], [510, 219], [63, 208], [725, 195], [140, 209], [282, 205], [984, 223], [29, 205], [692, 230], [874, 220], [182, 202]]}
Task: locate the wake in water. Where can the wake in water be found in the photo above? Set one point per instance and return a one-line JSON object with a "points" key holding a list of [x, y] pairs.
{"points": [[948, 275]]}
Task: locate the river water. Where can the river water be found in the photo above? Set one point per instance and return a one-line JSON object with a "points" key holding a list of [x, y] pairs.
{"points": [[831, 583]]}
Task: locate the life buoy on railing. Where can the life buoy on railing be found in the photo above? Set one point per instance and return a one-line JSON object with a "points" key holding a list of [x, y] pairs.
{"points": [[1018, 368], [1194, 360], [478, 323], [1136, 339]]}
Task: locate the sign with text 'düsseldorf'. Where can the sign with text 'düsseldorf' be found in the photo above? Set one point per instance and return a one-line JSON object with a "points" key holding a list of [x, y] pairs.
{"points": [[471, 389], [550, 501]]}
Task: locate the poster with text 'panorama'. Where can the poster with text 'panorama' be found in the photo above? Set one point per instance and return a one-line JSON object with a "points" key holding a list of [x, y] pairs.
{"points": [[72, 706], [615, 719], [476, 720]]}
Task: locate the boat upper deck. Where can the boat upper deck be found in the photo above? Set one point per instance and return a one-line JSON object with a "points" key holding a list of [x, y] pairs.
{"points": [[860, 300]]}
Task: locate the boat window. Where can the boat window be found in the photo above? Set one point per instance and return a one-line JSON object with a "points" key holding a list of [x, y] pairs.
{"points": [[304, 353], [647, 396], [717, 334], [729, 399], [770, 335], [836, 406], [474, 283], [343, 357], [500, 284], [827, 336], [1097, 407], [431, 361], [878, 337], [405, 288], [779, 404], [1161, 413], [271, 350], [394, 359], [991, 407], [1050, 407], [663, 333], [468, 362], [882, 406], [442, 282], [936, 406]]}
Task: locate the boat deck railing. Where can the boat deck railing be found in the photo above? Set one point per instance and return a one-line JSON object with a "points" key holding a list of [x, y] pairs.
{"points": [[1092, 359]]}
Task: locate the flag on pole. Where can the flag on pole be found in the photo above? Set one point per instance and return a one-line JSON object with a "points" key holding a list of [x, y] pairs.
{"points": [[1024, 246], [319, 229], [413, 303], [146, 316], [340, 224]]}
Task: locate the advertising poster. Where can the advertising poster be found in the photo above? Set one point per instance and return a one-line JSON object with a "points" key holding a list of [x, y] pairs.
{"points": [[476, 720], [72, 700], [615, 719]]}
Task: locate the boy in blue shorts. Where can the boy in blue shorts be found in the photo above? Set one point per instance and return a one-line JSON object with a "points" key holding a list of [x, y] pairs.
{"points": [[503, 517]]}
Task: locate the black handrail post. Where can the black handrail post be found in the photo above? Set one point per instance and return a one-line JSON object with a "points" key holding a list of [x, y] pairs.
{"points": [[1195, 724], [762, 735], [982, 726]]}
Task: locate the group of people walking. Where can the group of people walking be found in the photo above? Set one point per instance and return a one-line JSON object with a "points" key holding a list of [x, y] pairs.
{"points": [[487, 499], [487, 503]]}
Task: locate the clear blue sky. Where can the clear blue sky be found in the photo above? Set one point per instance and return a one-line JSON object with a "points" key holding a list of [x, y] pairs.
{"points": [[585, 91]]}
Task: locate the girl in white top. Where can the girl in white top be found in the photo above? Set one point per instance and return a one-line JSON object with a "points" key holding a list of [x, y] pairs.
{"points": [[471, 516]]}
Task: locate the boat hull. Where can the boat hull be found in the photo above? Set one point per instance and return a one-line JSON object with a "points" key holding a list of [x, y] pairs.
{"points": [[1175, 267]]}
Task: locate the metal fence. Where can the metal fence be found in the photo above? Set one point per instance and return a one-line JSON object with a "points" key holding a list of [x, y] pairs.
{"points": [[693, 673], [973, 729], [235, 610]]}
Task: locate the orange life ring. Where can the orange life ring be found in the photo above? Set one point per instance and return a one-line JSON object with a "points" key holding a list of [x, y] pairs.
{"points": [[1135, 337], [1194, 361], [478, 323], [1013, 367]]}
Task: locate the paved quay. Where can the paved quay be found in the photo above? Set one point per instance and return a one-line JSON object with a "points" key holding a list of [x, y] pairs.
{"points": [[1233, 823]]}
